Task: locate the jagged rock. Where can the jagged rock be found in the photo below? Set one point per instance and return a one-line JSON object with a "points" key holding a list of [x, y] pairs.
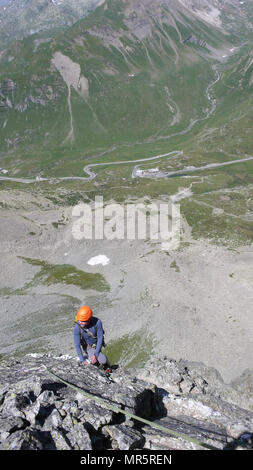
{"points": [[27, 439], [46, 397], [124, 437], [205, 432], [184, 377], [59, 441], [196, 392], [13, 404], [59, 417], [10, 424], [79, 438], [75, 439], [243, 385], [94, 415], [53, 420], [38, 411]]}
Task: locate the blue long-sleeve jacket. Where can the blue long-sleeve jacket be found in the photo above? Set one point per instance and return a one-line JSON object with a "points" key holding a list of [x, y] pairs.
{"points": [[96, 328]]}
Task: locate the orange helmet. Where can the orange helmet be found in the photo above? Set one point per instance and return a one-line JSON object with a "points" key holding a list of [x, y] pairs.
{"points": [[84, 313]]}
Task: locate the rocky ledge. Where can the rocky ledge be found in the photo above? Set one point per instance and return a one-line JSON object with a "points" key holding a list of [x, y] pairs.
{"points": [[40, 412]]}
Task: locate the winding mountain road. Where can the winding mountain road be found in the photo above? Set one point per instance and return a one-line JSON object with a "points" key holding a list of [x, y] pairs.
{"points": [[92, 174]]}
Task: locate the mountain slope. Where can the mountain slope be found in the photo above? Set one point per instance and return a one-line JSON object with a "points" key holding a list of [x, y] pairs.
{"points": [[19, 19], [128, 73]]}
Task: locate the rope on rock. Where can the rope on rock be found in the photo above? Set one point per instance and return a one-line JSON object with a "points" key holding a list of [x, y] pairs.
{"points": [[127, 413]]}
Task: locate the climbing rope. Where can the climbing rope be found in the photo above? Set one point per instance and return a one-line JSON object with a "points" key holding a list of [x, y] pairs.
{"points": [[130, 415]]}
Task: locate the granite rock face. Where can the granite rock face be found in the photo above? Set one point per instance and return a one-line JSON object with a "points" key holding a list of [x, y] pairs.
{"points": [[40, 412]]}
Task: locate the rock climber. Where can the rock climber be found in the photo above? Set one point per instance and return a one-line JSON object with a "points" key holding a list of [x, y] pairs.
{"points": [[89, 338]]}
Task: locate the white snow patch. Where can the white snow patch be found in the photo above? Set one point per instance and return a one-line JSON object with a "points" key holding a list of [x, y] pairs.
{"points": [[100, 259]]}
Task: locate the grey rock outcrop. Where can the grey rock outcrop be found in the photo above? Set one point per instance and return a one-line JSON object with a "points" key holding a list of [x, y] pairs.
{"points": [[39, 412]]}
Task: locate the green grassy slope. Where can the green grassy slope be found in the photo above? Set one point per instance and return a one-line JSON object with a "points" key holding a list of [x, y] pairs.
{"points": [[152, 88], [143, 84]]}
